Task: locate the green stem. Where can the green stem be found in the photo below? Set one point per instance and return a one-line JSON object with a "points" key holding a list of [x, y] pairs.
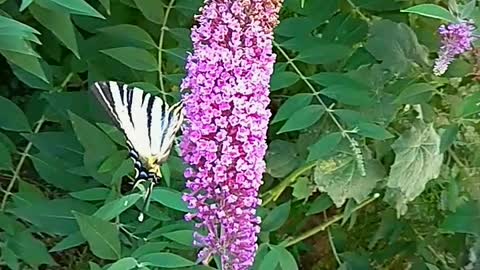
{"points": [[18, 169], [327, 224], [357, 10], [332, 244], [25, 154], [160, 47]]}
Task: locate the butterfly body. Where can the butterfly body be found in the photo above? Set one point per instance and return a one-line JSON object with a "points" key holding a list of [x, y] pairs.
{"points": [[149, 125]]}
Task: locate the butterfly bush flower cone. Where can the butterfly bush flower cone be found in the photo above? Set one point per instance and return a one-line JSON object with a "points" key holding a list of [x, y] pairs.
{"points": [[225, 94], [456, 39]]}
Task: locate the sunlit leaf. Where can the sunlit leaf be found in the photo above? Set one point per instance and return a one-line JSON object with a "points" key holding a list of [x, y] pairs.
{"points": [[417, 161], [342, 179], [102, 236]]}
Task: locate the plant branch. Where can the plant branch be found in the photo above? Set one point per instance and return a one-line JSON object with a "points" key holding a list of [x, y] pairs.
{"points": [[328, 110], [25, 153], [324, 226], [357, 10], [18, 169], [332, 244], [160, 46]]}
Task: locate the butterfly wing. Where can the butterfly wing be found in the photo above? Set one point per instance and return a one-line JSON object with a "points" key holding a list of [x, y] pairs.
{"points": [[125, 105], [149, 123]]}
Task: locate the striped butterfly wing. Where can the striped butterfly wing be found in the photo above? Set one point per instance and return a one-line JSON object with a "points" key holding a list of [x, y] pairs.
{"points": [[148, 123]]}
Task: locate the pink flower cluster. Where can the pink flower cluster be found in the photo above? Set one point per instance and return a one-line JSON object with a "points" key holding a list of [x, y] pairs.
{"points": [[225, 95], [456, 39]]}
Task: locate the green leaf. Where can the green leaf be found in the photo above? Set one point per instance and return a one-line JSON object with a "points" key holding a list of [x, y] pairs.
{"points": [[59, 24], [94, 266], [464, 220], [113, 161], [297, 26], [79, 7], [342, 179], [25, 4], [417, 161], [320, 204], [283, 79], [354, 261], [432, 11], [114, 208], [281, 158], [102, 236], [292, 105], [90, 136], [276, 218], [270, 261], [415, 94], [448, 137], [348, 95], [469, 106], [151, 9], [62, 145], [324, 54], [302, 188], [5, 158], [73, 240], [148, 248], [303, 118], [468, 9], [396, 45], [169, 198], [165, 260], [18, 46], [184, 237], [325, 146], [106, 5], [124, 264], [134, 35], [12, 117], [286, 259], [10, 258], [52, 170], [135, 58], [92, 194], [29, 249], [54, 216], [373, 131], [345, 29]]}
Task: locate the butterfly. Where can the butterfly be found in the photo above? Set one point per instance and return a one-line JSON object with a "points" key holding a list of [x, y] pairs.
{"points": [[149, 125]]}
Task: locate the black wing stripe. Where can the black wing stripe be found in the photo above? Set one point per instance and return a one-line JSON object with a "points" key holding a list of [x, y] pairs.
{"points": [[151, 100]]}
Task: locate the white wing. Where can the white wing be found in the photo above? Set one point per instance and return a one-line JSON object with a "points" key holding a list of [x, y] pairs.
{"points": [[148, 123]]}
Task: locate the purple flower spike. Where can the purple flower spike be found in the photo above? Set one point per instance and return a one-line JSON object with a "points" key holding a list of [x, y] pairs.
{"points": [[225, 95], [456, 39]]}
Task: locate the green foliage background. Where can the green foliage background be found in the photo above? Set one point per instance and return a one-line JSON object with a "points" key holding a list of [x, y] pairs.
{"points": [[372, 161]]}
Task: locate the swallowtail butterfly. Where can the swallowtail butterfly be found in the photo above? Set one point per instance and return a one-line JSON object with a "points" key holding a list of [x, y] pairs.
{"points": [[149, 124]]}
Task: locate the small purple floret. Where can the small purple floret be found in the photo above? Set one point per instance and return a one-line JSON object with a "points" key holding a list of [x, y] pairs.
{"points": [[456, 39]]}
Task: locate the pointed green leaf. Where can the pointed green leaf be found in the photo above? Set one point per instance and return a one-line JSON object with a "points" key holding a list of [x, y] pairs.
{"points": [[417, 161], [169, 198], [151, 9], [12, 117], [432, 11], [132, 57], [165, 260], [184, 237], [292, 105], [131, 33], [73, 240], [283, 79], [276, 218], [92, 194], [124, 264], [303, 118], [464, 220], [102, 236], [325, 146], [59, 24], [114, 208]]}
